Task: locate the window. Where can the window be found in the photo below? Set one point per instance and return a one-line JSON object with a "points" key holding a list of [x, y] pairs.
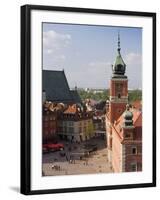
{"points": [[133, 167], [45, 124], [80, 129], [127, 135], [134, 150], [71, 130], [70, 123], [46, 118], [119, 96]]}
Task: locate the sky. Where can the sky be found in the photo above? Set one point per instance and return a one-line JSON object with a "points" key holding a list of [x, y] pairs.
{"points": [[87, 52]]}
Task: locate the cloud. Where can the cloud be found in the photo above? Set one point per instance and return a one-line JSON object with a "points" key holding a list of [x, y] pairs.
{"points": [[133, 58], [98, 67], [94, 74], [54, 47], [134, 69], [99, 64], [54, 41]]}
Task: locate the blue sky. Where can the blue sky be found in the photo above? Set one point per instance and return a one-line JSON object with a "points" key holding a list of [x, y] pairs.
{"points": [[87, 52]]}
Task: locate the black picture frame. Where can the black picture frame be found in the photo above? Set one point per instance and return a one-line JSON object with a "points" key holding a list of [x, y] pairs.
{"points": [[26, 98]]}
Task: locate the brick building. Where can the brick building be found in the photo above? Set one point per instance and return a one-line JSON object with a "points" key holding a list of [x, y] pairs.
{"points": [[123, 124], [50, 121]]}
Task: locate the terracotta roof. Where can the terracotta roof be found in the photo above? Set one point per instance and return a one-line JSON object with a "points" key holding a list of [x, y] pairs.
{"points": [[53, 107], [137, 104], [72, 109], [137, 120]]}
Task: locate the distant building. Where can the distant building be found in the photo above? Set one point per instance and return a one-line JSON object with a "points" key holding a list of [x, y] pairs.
{"points": [[123, 124], [57, 89], [97, 91], [87, 90]]}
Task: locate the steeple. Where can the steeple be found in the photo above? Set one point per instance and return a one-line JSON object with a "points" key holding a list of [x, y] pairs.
{"points": [[119, 66], [119, 43]]}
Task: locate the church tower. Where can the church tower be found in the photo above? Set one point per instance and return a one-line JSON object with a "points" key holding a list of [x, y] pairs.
{"points": [[118, 87]]}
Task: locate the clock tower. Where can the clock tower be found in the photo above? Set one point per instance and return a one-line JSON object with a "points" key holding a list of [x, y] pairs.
{"points": [[118, 87], [118, 97]]}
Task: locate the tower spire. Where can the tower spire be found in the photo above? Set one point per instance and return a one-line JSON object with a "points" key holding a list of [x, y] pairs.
{"points": [[119, 48], [119, 66]]}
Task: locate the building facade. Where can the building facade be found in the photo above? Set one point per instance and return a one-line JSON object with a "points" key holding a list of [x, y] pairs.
{"points": [[75, 124], [51, 113], [50, 124], [123, 124]]}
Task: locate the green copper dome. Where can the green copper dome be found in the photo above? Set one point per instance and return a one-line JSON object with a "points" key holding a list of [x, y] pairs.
{"points": [[119, 60], [128, 117]]}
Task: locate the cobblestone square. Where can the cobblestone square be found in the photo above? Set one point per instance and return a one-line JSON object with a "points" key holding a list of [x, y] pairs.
{"points": [[74, 159]]}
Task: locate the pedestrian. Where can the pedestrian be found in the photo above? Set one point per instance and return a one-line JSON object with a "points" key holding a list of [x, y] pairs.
{"points": [[66, 157], [52, 166]]}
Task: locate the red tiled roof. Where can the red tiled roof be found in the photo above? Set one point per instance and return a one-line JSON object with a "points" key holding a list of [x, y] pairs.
{"points": [[50, 106], [72, 109], [137, 104], [137, 120]]}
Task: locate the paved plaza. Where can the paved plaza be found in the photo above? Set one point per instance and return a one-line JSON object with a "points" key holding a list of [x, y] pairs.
{"points": [[77, 159]]}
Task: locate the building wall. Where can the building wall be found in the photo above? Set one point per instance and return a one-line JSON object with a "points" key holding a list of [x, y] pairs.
{"points": [[77, 130], [50, 125], [118, 98], [133, 158], [116, 152], [116, 110], [118, 86]]}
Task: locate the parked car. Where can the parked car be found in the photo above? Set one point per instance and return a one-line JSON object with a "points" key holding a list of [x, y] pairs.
{"points": [[54, 147]]}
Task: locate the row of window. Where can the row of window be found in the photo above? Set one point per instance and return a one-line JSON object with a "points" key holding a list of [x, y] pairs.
{"points": [[70, 123], [48, 132], [51, 118], [135, 167], [49, 125], [72, 130], [135, 150]]}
